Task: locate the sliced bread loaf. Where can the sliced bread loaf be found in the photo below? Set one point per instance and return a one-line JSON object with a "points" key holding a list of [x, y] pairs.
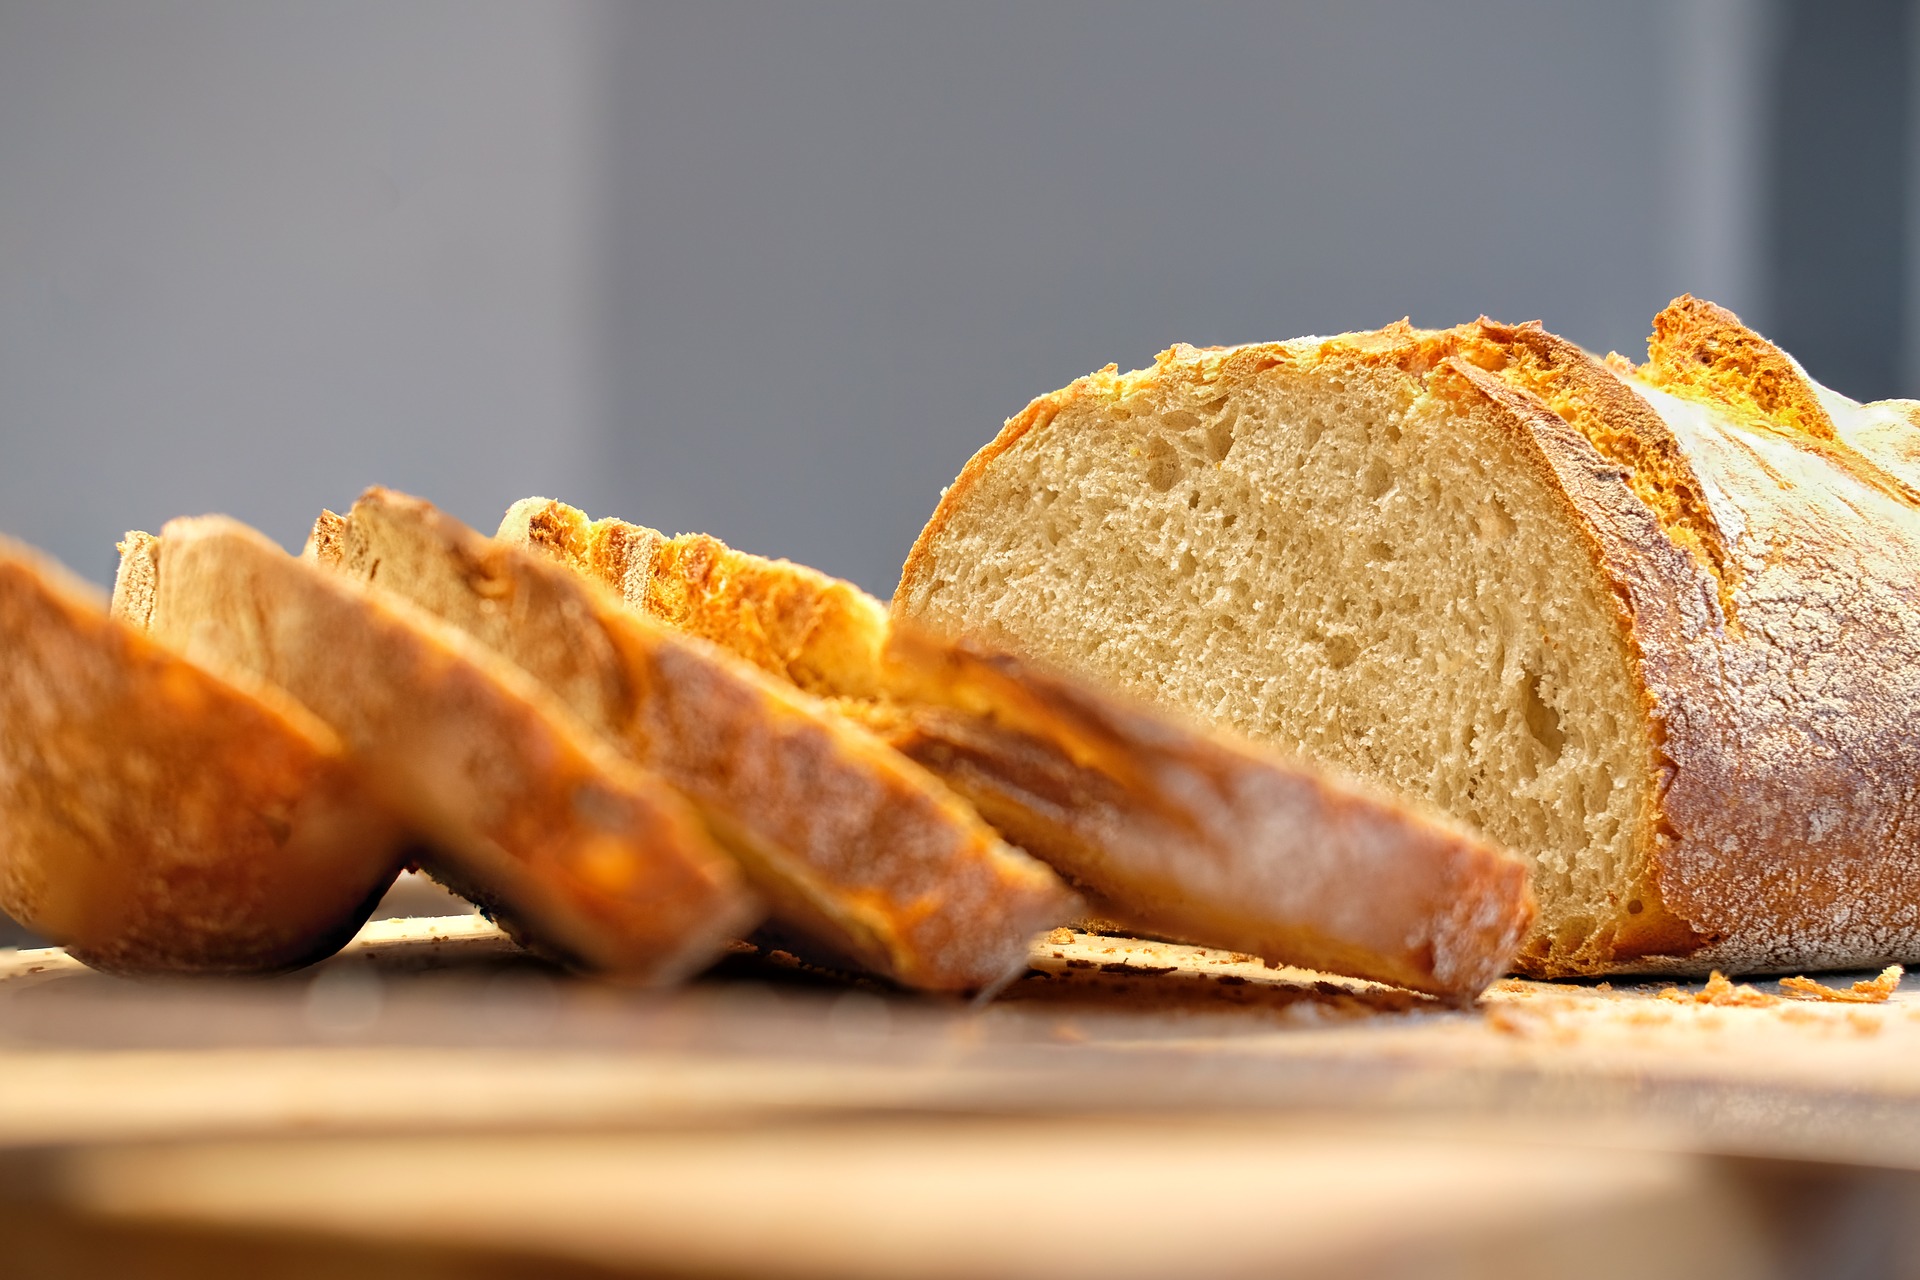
{"points": [[855, 846], [1175, 830], [1656, 627], [158, 818], [578, 851]]}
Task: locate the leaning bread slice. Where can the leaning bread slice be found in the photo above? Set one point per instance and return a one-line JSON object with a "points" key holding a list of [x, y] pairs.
{"points": [[852, 844], [157, 818], [1177, 831], [1654, 627], [532, 815]]}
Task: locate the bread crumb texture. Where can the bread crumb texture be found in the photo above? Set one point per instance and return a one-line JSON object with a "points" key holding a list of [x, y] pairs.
{"points": [[1655, 628]]}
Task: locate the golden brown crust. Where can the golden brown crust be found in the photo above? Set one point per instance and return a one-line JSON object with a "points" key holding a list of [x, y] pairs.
{"points": [[816, 631], [155, 818], [1701, 348], [1703, 352], [1778, 690], [526, 807], [850, 841], [1276, 860], [1623, 428]]}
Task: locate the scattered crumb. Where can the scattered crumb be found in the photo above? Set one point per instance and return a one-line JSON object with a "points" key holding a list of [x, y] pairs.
{"points": [[1240, 957], [1603, 986], [1504, 1022], [1060, 937], [1721, 993], [1871, 991]]}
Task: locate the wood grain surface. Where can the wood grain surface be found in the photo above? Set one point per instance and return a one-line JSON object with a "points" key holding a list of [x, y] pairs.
{"points": [[433, 1102]]}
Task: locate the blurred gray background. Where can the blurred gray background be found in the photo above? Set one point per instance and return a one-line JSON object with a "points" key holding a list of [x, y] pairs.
{"points": [[773, 270]]}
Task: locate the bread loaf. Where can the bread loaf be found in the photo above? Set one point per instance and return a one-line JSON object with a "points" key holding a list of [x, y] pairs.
{"points": [[156, 817], [576, 850], [1174, 830], [1657, 627], [852, 845]]}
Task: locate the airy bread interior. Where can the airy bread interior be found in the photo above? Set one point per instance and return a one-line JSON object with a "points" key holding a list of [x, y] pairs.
{"points": [[1337, 560]]}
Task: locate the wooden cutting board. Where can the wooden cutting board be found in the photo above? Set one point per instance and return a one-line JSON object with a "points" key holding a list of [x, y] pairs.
{"points": [[431, 1098]]}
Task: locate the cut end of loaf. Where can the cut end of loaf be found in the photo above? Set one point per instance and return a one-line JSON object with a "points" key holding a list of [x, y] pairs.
{"points": [[1312, 544]]}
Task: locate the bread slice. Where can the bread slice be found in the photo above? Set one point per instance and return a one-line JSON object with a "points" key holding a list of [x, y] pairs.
{"points": [[853, 845], [1656, 627], [1176, 831], [156, 818], [576, 850]]}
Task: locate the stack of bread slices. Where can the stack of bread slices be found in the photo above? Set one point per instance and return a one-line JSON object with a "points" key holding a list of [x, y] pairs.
{"points": [[1320, 651]]}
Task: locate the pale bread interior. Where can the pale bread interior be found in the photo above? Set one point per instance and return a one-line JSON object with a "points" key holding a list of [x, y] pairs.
{"points": [[1339, 563]]}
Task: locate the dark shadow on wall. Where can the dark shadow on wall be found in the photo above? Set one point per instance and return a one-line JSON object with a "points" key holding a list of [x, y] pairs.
{"points": [[1838, 192]]}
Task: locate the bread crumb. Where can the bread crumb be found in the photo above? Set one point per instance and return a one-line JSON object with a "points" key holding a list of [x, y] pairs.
{"points": [[1060, 937], [1721, 993], [1870, 991], [1505, 1023]]}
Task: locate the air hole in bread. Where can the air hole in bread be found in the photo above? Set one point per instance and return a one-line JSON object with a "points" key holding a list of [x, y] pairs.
{"points": [[1543, 722], [1220, 437], [1163, 468]]}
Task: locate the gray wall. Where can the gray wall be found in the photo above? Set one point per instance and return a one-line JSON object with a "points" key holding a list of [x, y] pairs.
{"points": [[774, 270], [847, 240], [255, 256]]}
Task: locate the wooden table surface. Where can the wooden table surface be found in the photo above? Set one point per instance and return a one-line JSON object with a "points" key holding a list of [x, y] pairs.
{"points": [[431, 1102]]}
